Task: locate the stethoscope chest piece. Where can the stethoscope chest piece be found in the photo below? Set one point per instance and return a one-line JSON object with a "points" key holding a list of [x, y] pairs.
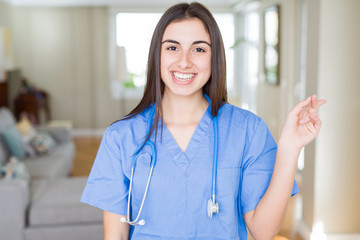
{"points": [[213, 208]]}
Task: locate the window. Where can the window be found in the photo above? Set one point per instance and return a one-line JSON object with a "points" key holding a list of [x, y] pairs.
{"points": [[136, 38], [225, 22], [251, 60]]}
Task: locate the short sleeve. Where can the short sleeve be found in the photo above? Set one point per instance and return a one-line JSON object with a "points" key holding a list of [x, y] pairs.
{"points": [[258, 165], [107, 186]]}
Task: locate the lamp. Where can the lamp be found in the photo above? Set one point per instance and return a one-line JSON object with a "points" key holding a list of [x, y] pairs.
{"points": [[6, 60], [2, 56], [121, 75]]}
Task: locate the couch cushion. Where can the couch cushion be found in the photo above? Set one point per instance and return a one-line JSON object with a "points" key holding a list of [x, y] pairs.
{"points": [[67, 151], [46, 166], [74, 232], [61, 134], [6, 119], [12, 138], [4, 152], [57, 201], [13, 202]]}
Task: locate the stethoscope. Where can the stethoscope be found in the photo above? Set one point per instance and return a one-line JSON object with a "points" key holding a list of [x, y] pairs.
{"points": [[212, 205]]}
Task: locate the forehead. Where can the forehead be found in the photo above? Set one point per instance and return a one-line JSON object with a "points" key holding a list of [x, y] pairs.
{"points": [[186, 30]]}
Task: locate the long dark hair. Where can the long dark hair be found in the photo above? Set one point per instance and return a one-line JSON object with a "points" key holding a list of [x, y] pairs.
{"points": [[215, 88]]}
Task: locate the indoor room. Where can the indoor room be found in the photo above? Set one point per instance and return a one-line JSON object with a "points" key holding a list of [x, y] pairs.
{"points": [[71, 68]]}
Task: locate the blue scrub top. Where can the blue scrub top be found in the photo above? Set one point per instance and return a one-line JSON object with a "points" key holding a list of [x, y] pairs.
{"points": [[176, 203]]}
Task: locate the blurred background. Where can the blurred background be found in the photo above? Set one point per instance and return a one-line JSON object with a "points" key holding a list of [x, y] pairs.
{"points": [[78, 65]]}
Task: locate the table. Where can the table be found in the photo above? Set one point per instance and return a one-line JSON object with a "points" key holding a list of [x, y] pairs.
{"points": [[33, 103]]}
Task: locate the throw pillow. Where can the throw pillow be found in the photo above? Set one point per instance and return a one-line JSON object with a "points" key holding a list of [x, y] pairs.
{"points": [[30, 151], [24, 126], [12, 138], [27, 133], [15, 169], [43, 143]]}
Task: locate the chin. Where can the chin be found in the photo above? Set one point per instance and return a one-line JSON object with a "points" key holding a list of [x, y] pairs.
{"points": [[183, 92]]}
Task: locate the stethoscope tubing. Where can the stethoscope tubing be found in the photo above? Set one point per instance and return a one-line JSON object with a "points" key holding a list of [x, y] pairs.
{"points": [[135, 222], [215, 155], [215, 159], [133, 166], [153, 162]]}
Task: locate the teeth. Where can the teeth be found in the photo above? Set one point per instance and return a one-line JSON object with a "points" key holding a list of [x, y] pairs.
{"points": [[183, 77]]}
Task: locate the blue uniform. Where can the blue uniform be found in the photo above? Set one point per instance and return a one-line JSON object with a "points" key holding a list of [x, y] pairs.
{"points": [[176, 203]]}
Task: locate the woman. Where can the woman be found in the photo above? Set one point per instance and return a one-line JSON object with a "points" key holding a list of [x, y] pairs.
{"points": [[184, 111]]}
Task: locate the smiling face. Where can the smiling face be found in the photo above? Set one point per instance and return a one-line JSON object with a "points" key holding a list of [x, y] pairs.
{"points": [[185, 57]]}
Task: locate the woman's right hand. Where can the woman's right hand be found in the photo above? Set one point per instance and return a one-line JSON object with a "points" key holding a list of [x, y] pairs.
{"points": [[302, 123]]}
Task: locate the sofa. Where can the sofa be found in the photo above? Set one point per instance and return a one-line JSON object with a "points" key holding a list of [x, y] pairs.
{"points": [[46, 205]]}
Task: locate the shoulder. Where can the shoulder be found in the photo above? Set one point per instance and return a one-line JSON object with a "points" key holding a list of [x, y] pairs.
{"points": [[130, 127], [122, 137], [236, 117]]}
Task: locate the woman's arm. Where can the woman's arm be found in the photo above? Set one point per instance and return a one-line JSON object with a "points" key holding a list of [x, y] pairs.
{"points": [[302, 125], [114, 229]]}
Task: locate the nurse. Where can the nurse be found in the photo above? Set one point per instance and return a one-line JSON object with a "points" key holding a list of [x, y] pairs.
{"points": [[254, 178]]}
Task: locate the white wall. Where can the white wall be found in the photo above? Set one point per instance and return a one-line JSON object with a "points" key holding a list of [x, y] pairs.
{"points": [[311, 16], [65, 52], [338, 153], [5, 11], [331, 174], [274, 101]]}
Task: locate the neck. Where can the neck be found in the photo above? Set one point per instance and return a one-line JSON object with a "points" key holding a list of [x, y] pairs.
{"points": [[183, 109]]}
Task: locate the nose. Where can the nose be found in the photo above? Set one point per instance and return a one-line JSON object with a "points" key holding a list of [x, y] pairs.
{"points": [[184, 60]]}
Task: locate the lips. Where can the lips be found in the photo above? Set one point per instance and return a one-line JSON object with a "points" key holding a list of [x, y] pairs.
{"points": [[183, 78]]}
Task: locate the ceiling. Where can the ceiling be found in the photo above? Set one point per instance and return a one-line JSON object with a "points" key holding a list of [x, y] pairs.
{"points": [[133, 3]]}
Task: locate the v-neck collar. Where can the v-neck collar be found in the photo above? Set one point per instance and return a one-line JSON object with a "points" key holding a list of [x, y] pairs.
{"points": [[180, 158]]}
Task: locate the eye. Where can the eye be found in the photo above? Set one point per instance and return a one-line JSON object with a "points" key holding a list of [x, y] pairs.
{"points": [[172, 48], [199, 50]]}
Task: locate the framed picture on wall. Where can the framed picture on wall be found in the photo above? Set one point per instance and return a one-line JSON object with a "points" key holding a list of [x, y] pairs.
{"points": [[272, 44]]}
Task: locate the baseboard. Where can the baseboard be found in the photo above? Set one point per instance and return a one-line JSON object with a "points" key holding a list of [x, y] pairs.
{"points": [[306, 234], [303, 230], [84, 132], [350, 236]]}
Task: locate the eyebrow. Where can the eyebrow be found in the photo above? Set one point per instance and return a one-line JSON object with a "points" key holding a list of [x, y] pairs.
{"points": [[176, 42]]}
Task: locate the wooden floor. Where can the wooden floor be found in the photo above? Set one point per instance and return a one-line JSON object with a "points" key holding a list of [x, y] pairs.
{"points": [[86, 149]]}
